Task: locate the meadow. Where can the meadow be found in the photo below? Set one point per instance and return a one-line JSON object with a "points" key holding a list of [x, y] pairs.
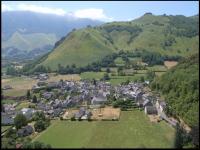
{"points": [[133, 130]]}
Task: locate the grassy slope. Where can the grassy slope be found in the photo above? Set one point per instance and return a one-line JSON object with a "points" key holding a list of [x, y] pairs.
{"points": [[133, 130], [90, 44], [80, 48]]}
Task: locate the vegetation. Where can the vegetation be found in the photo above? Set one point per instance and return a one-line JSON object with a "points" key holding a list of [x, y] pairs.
{"points": [[132, 125], [34, 99], [28, 94], [41, 121], [172, 37], [36, 145], [20, 121], [180, 86]]}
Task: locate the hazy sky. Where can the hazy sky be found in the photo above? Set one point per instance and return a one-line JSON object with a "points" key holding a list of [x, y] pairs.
{"points": [[106, 10]]}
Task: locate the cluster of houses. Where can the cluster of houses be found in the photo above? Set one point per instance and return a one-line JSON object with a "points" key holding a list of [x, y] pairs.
{"points": [[77, 93], [41, 77]]}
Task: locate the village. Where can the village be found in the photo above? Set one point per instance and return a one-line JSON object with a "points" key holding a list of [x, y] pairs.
{"points": [[86, 100]]}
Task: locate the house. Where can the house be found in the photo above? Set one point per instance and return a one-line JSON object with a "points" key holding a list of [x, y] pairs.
{"points": [[98, 99], [47, 95], [147, 102], [52, 85], [140, 102], [35, 87], [57, 112], [87, 115], [7, 119], [80, 113], [43, 77], [150, 110], [7, 87], [27, 112], [161, 105], [25, 131], [41, 83]]}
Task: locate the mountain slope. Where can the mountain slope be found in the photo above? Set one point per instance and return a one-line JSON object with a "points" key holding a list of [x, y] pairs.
{"points": [[74, 51], [167, 35], [180, 86]]}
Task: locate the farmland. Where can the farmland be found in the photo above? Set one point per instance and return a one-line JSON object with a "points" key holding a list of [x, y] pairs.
{"points": [[20, 85], [133, 130]]}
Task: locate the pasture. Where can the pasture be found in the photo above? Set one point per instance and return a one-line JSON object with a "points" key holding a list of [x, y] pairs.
{"points": [[92, 75], [20, 85], [133, 130], [115, 80]]}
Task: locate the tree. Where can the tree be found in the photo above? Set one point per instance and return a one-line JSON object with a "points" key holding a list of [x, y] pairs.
{"points": [[36, 145], [106, 76], [39, 116], [195, 135], [142, 79], [151, 75], [40, 126], [28, 94], [34, 99], [108, 70], [179, 137], [20, 121], [119, 69], [11, 71], [94, 82]]}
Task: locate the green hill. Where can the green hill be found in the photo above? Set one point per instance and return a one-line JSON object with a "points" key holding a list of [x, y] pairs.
{"points": [[167, 35], [180, 86]]}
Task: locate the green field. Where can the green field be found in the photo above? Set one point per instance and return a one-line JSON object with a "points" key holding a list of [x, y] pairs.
{"points": [[134, 130], [119, 79], [92, 75], [158, 68], [8, 101]]}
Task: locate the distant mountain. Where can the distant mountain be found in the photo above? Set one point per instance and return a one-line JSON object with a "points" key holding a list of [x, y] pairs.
{"points": [[26, 31], [167, 35]]}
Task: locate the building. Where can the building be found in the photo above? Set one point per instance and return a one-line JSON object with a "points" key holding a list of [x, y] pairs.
{"points": [[150, 110], [161, 105], [27, 112], [100, 99], [6, 87], [25, 131], [7, 119]]}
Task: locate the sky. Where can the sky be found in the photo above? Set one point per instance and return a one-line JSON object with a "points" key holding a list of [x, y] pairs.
{"points": [[105, 10]]}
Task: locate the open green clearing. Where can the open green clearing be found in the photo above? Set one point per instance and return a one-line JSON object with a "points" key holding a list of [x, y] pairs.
{"points": [[92, 75], [114, 80], [134, 130], [8, 101], [157, 68]]}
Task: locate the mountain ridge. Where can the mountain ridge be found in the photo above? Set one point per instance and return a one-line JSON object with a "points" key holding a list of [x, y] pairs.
{"points": [[167, 35]]}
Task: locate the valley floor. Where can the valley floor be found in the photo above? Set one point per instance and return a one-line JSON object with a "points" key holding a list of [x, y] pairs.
{"points": [[133, 130]]}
